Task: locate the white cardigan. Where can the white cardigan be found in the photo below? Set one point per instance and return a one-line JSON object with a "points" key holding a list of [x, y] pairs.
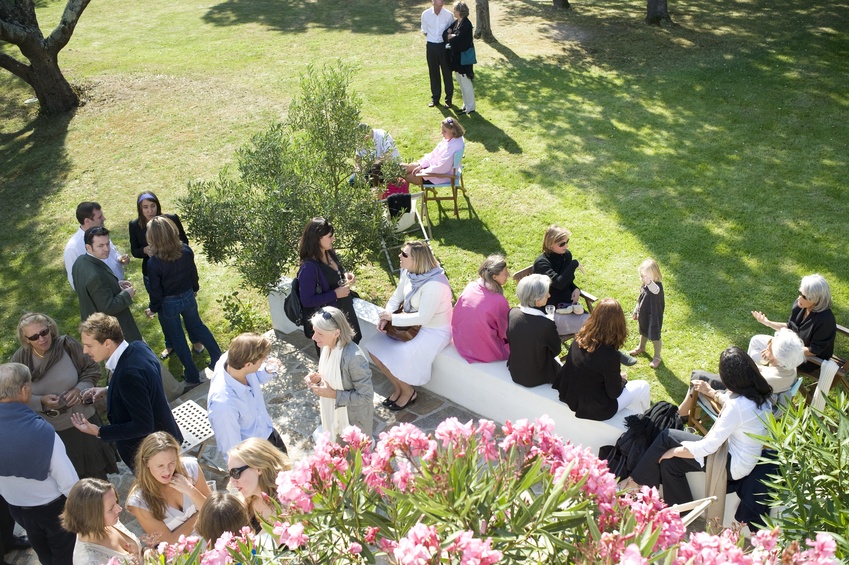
{"points": [[432, 304]]}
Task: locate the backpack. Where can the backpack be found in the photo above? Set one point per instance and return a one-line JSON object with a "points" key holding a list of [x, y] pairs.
{"points": [[642, 430], [292, 305]]}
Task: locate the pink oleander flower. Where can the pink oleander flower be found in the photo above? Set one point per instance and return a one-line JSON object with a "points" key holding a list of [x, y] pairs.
{"points": [[371, 534], [650, 512], [216, 556], [291, 535], [387, 545], [486, 442], [356, 439], [402, 477], [294, 488], [821, 551], [706, 549], [474, 551], [632, 556], [355, 548], [454, 434], [519, 433]]}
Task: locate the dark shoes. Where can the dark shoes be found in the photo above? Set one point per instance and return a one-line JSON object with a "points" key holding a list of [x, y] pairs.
{"points": [[189, 387], [386, 402], [447, 103], [19, 543], [395, 408], [626, 359]]}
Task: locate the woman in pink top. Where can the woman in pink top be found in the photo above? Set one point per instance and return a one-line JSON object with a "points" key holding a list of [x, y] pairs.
{"points": [[441, 159], [479, 323]]}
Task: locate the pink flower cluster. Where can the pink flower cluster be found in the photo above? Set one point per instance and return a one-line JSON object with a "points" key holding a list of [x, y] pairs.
{"points": [[183, 546], [421, 545], [290, 535], [706, 549], [474, 551]]}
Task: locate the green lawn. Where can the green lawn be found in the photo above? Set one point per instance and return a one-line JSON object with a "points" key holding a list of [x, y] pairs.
{"points": [[717, 146]]}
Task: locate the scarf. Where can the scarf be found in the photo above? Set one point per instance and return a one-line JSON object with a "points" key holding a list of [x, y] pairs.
{"points": [[27, 446], [333, 419], [51, 357], [418, 280]]}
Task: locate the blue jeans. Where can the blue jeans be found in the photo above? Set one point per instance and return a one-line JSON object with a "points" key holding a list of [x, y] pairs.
{"points": [[168, 345], [186, 306]]}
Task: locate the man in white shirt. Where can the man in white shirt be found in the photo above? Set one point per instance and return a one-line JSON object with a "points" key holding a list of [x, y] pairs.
{"points": [[90, 215], [435, 20], [235, 403], [35, 472]]}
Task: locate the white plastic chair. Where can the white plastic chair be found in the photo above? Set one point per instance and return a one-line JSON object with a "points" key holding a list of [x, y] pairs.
{"points": [[193, 422]]}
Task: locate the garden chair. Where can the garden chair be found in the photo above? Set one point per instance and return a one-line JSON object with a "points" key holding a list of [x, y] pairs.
{"points": [[193, 422], [589, 299], [453, 180], [409, 222], [839, 375], [694, 509]]}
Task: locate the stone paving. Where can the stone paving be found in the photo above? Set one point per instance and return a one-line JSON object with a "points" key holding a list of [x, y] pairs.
{"points": [[294, 410]]}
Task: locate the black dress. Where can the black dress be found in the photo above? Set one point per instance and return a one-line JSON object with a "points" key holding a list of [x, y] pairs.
{"points": [[590, 383], [138, 239], [650, 308], [817, 332], [561, 270]]}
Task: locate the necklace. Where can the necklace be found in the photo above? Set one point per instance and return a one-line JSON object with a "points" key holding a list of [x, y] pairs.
{"points": [[39, 355]]}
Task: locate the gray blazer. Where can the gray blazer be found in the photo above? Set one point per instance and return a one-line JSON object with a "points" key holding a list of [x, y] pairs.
{"points": [[357, 393]]}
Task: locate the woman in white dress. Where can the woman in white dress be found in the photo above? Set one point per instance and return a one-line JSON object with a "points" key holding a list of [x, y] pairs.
{"points": [[92, 512], [424, 297], [168, 490], [343, 380]]}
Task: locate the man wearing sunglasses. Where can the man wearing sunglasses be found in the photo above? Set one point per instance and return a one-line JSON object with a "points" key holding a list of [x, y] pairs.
{"points": [[98, 289], [90, 215]]}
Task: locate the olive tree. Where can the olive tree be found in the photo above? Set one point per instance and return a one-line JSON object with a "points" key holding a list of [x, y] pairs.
{"points": [[253, 217]]}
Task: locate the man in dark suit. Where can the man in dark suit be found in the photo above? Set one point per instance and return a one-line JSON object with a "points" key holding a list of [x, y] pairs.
{"points": [[98, 289], [135, 402]]}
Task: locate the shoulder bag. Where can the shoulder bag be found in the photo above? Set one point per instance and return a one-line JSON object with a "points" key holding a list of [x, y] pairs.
{"points": [[403, 333], [468, 57]]}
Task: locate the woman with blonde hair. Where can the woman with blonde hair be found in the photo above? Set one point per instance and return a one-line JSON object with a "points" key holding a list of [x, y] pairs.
{"points": [[168, 490], [92, 512], [422, 298], [173, 287], [253, 468], [479, 321], [556, 263], [591, 381], [440, 161], [343, 380]]}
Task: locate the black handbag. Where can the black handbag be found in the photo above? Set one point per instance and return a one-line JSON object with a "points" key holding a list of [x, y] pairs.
{"points": [[292, 305]]}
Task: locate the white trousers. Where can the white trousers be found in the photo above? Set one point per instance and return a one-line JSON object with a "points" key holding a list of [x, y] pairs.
{"points": [[467, 90], [636, 395]]}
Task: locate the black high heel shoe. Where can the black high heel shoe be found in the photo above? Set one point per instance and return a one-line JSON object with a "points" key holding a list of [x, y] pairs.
{"points": [[387, 402], [394, 407]]}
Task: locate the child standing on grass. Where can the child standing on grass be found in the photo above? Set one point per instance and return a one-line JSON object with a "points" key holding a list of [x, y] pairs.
{"points": [[649, 309]]}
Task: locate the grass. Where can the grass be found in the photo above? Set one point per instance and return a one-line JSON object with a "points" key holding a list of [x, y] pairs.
{"points": [[717, 146]]}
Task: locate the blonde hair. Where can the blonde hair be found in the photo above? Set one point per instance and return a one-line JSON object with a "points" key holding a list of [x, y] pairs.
{"points": [[422, 257], [164, 239], [247, 348], [36, 318], [101, 327], [650, 267], [260, 454], [146, 483], [457, 130], [553, 235], [84, 513]]}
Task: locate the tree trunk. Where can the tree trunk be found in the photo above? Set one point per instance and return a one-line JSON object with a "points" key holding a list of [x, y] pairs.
{"points": [[656, 12], [562, 4], [54, 93], [484, 28]]}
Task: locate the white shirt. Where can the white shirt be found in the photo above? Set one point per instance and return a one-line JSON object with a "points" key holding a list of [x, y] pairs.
{"points": [[174, 518], [112, 362], [30, 492], [76, 247], [434, 24], [236, 411], [739, 418], [432, 304], [383, 143]]}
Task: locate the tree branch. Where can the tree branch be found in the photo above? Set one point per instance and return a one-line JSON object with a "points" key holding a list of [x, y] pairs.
{"points": [[62, 34], [14, 32], [15, 67]]}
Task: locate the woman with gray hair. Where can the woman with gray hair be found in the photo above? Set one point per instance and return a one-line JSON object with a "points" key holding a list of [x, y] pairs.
{"points": [[533, 339], [479, 322], [343, 380], [811, 318], [458, 37]]}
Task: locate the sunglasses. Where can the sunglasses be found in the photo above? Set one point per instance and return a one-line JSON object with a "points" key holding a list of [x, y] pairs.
{"points": [[802, 296], [405, 255], [236, 473], [42, 333], [563, 243], [325, 314]]}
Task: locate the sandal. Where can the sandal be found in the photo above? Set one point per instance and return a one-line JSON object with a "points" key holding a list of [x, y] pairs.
{"points": [[637, 351], [388, 402], [394, 407], [655, 363]]}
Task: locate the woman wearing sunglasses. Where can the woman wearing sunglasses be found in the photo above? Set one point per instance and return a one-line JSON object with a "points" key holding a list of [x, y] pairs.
{"points": [[556, 263], [343, 380], [60, 373], [811, 318], [168, 490], [422, 298], [254, 465]]}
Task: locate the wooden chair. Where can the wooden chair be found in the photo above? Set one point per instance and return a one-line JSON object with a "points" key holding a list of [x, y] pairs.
{"points": [[842, 363], [589, 299], [453, 180], [704, 407]]}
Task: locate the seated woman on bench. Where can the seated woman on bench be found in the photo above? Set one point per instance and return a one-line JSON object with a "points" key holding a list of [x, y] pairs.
{"points": [[591, 381], [811, 318], [675, 453], [533, 339], [479, 322]]}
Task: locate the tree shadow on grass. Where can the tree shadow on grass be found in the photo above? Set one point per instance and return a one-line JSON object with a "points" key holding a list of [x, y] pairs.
{"points": [[34, 167], [289, 16]]}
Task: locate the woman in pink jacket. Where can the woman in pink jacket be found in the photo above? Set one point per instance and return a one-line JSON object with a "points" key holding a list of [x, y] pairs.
{"points": [[441, 159], [479, 323]]}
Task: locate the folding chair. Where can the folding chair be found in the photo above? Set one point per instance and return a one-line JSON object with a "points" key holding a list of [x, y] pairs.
{"points": [[193, 422], [409, 222], [453, 180]]}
